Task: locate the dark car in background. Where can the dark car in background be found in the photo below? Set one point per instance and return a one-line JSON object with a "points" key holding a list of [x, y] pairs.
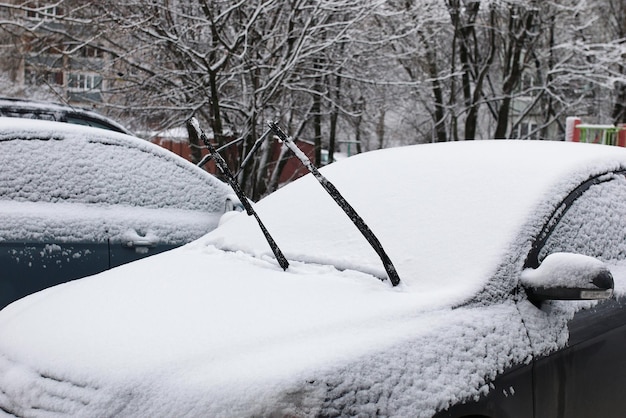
{"points": [[33, 109], [77, 200]]}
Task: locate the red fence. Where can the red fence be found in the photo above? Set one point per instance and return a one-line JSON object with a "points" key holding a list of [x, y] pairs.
{"points": [[291, 170]]}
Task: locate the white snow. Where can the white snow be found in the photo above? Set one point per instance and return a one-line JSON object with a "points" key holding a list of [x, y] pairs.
{"points": [[595, 223], [278, 332], [78, 183], [76, 222], [216, 328], [561, 269], [442, 212]]}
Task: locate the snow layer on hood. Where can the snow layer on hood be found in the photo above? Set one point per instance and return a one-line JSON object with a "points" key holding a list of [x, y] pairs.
{"points": [[446, 214], [201, 332]]}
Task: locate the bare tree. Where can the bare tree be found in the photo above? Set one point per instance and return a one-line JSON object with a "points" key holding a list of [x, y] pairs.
{"points": [[380, 73], [496, 67], [231, 64]]}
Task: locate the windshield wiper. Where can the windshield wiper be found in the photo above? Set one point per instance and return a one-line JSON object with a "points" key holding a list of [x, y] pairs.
{"points": [[342, 202], [193, 127]]}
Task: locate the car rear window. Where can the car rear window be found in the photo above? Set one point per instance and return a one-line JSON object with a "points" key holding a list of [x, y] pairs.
{"points": [[28, 114], [96, 172]]}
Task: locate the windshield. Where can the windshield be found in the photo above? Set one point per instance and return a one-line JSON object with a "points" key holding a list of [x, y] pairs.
{"points": [[447, 214]]}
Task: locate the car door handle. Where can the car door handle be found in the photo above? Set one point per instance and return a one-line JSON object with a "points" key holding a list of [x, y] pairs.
{"points": [[140, 243]]}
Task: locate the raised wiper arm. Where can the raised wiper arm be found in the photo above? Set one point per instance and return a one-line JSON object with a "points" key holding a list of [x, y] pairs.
{"points": [[208, 157], [342, 202], [193, 127]]}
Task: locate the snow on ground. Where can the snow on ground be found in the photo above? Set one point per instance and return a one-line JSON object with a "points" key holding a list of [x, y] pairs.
{"points": [[216, 328]]}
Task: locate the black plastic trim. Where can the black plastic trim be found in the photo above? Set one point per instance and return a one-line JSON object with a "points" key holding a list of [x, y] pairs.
{"points": [[532, 260]]}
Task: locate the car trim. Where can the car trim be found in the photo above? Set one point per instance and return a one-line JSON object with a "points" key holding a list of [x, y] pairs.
{"points": [[532, 259]]}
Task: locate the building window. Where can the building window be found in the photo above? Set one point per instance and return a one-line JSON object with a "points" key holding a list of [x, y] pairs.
{"points": [[84, 82], [36, 77], [39, 10], [528, 86], [527, 130], [91, 52]]}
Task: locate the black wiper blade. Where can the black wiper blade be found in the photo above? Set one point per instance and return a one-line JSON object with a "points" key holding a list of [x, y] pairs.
{"points": [[209, 156], [342, 202], [193, 127]]}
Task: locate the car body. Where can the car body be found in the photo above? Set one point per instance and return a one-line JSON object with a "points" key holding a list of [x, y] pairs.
{"points": [[77, 200], [34, 109], [485, 237]]}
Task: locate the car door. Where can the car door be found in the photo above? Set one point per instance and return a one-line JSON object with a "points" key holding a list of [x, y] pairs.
{"points": [[137, 242], [32, 265], [160, 203], [587, 377], [75, 201]]}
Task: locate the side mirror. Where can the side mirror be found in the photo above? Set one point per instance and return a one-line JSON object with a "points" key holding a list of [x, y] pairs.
{"points": [[567, 276], [232, 203]]}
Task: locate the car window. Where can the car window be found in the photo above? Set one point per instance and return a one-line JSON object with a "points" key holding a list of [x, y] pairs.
{"points": [[27, 109], [87, 121], [28, 114], [595, 224], [76, 170]]}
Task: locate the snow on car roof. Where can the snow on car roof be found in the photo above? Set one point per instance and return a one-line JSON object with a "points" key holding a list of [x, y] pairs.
{"points": [[200, 331]]}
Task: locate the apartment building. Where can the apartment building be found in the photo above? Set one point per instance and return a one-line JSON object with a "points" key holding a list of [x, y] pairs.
{"points": [[38, 55]]}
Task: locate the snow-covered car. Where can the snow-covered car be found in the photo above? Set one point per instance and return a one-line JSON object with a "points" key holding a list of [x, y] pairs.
{"points": [[77, 200], [34, 109], [510, 303]]}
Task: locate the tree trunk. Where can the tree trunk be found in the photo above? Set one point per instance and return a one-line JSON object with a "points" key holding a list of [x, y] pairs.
{"points": [[519, 34], [317, 127], [380, 128], [333, 121], [619, 109], [464, 33]]}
